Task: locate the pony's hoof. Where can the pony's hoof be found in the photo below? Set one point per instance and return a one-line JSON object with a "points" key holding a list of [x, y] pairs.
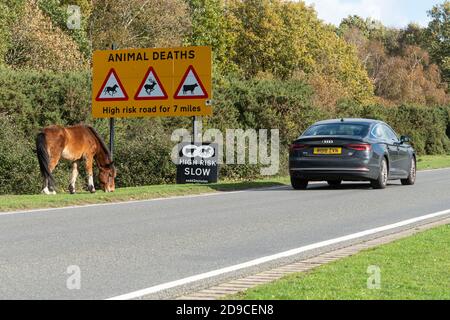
{"points": [[47, 191], [91, 189], [71, 189]]}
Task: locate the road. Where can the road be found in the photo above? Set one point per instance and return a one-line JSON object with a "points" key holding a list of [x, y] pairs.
{"points": [[121, 248]]}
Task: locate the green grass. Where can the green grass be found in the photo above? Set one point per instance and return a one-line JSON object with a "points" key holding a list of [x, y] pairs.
{"points": [[433, 162], [18, 202], [417, 267]]}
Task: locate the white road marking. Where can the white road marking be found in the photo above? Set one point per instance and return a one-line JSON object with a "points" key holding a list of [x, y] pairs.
{"points": [[285, 254]]}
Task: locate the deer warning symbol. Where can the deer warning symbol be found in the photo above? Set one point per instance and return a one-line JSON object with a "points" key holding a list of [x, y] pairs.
{"points": [[190, 87], [151, 87], [112, 89]]}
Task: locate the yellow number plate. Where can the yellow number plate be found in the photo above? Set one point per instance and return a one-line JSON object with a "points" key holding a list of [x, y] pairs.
{"points": [[330, 151]]}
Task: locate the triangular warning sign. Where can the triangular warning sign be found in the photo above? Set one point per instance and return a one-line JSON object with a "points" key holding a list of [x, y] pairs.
{"points": [[151, 87], [190, 87], [112, 89]]}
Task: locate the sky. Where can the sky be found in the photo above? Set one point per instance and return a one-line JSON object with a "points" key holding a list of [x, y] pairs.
{"points": [[393, 13]]}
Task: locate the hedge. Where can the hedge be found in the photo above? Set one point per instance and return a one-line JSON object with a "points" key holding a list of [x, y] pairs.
{"points": [[30, 100]]}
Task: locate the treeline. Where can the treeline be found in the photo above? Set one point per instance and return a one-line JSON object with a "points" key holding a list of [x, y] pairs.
{"points": [[360, 60], [408, 65], [276, 65]]}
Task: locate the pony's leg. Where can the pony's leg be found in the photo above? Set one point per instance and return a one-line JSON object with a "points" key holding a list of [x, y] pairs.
{"points": [[73, 177], [89, 162], [53, 163], [45, 189]]}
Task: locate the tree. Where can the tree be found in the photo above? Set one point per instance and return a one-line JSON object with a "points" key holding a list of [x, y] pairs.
{"points": [[286, 39], [10, 11], [370, 28], [35, 42], [354, 22], [397, 61], [413, 35], [138, 23], [258, 30], [438, 36], [212, 25], [57, 11], [411, 78]]}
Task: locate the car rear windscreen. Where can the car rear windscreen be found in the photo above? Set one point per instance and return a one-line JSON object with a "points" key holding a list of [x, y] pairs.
{"points": [[338, 129]]}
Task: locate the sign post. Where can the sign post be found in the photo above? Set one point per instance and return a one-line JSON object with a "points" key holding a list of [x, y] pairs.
{"points": [[112, 123], [196, 129]]}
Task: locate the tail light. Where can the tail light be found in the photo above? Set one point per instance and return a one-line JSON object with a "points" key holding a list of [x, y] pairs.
{"points": [[297, 146], [360, 146]]}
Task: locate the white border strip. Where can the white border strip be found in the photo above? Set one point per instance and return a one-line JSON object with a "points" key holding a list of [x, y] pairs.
{"points": [[285, 254]]}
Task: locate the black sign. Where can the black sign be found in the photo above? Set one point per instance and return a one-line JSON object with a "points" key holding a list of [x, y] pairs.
{"points": [[197, 163]]}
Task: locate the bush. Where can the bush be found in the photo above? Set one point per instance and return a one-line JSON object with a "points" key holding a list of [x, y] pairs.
{"points": [[142, 153], [37, 99], [30, 100], [18, 164]]}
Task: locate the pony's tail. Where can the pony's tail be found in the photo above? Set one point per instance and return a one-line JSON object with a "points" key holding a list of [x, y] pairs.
{"points": [[44, 160]]}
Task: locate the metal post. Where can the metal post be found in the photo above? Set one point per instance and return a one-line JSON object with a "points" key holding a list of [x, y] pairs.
{"points": [[111, 123], [196, 129], [111, 137]]}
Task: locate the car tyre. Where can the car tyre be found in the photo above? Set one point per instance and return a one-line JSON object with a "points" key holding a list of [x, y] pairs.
{"points": [[381, 181], [412, 174], [334, 183], [299, 184]]}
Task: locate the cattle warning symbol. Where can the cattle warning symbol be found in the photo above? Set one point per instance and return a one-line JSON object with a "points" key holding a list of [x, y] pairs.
{"points": [[190, 87], [112, 89], [151, 87]]}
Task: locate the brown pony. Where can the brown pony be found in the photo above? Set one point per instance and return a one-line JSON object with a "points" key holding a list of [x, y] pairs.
{"points": [[73, 144]]}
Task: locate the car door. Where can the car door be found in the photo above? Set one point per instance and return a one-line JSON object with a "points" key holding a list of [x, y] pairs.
{"points": [[379, 134], [392, 147], [402, 157], [404, 160]]}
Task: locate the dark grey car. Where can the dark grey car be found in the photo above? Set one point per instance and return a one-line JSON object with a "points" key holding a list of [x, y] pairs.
{"points": [[351, 150]]}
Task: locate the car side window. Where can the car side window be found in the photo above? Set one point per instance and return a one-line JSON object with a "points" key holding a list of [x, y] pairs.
{"points": [[390, 135], [377, 132]]}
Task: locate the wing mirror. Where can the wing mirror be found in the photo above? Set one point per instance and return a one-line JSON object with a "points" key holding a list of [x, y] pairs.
{"points": [[405, 139]]}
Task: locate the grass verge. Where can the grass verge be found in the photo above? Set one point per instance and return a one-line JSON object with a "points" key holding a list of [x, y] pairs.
{"points": [[416, 268], [433, 162], [21, 202]]}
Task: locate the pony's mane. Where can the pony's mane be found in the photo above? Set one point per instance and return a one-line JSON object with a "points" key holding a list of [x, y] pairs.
{"points": [[100, 140]]}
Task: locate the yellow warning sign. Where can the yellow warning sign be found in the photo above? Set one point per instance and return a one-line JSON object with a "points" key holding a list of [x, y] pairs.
{"points": [[152, 82]]}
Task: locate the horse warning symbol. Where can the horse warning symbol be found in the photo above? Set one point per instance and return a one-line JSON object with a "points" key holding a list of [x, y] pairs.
{"points": [[151, 87], [190, 87], [112, 89]]}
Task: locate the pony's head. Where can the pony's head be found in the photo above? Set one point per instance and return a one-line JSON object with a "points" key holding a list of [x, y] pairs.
{"points": [[106, 176]]}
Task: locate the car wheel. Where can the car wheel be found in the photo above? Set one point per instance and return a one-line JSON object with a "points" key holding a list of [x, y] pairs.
{"points": [[299, 184], [412, 174], [334, 183], [382, 180]]}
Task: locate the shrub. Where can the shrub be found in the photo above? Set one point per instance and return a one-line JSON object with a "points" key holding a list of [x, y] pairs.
{"points": [[30, 100], [18, 164]]}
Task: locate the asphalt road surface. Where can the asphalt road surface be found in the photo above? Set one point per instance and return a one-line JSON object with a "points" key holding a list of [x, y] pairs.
{"points": [[120, 248]]}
